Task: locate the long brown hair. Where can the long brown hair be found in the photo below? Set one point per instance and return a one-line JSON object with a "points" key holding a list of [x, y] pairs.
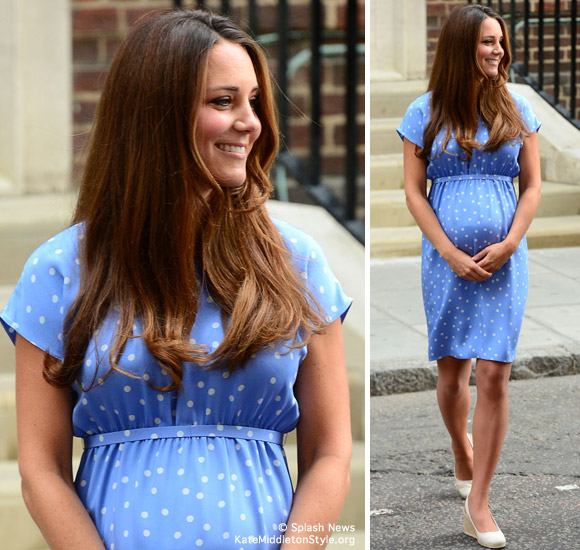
{"points": [[461, 92], [157, 225]]}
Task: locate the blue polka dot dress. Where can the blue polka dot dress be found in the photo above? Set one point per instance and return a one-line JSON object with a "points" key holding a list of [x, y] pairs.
{"points": [[199, 468], [475, 203]]}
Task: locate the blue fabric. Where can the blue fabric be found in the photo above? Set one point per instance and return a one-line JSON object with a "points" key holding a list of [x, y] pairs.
{"points": [[184, 488], [168, 432], [474, 202]]}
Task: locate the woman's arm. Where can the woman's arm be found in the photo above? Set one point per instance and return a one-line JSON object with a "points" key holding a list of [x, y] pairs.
{"points": [[416, 195], [324, 438], [45, 456], [493, 257]]}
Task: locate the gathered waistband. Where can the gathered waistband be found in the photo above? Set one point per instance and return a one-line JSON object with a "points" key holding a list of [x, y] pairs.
{"points": [[169, 432], [467, 177]]}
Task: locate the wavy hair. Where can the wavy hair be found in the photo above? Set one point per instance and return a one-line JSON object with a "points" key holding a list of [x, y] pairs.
{"points": [[461, 92], [157, 224]]}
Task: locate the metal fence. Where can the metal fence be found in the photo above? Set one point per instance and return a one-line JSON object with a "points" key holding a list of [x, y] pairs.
{"points": [[340, 201], [556, 83]]}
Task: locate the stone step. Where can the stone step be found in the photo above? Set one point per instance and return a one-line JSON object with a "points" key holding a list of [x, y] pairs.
{"points": [[547, 232], [387, 171], [384, 137], [391, 99], [559, 199], [25, 223], [19, 532], [391, 242], [8, 450], [388, 206], [6, 346], [554, 232], [17, 529]]}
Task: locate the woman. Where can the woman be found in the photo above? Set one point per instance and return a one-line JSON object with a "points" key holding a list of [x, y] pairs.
{"points": [[470, 135], [167, 325]]}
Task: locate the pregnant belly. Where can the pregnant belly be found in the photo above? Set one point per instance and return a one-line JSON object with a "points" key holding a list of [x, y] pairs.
{"points": [[176, 494], [474, 216]]}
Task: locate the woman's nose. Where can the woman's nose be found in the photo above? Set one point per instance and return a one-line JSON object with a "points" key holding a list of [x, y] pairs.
{"points": [[247, 120]]}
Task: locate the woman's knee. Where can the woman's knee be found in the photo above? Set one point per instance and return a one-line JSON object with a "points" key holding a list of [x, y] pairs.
{"points": [[453, 375], [492, 378]]}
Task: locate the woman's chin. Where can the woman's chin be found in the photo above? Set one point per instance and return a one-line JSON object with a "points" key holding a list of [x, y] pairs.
{"points": [[232, 182]]}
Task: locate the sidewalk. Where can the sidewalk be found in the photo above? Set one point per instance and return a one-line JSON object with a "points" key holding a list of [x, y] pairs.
{"points": [[535, 492], [550, 339]]}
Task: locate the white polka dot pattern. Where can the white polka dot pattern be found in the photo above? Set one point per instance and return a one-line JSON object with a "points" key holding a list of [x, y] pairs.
{"points": [[474, 202], [183, 490]]}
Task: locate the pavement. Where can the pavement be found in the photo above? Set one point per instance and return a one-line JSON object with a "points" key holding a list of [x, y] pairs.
{"points": [[535, 493], [550, 339]]}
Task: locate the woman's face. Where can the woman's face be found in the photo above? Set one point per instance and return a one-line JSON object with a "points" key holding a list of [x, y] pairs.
{"points": [[490, 50], [227, 125]]}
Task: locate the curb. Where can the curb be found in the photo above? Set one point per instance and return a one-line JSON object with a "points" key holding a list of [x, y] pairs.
{"points": [[415, 375]]}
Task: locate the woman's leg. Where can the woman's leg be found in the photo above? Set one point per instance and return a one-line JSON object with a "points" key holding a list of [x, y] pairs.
{"points": [[489, 427], [454, 403]]}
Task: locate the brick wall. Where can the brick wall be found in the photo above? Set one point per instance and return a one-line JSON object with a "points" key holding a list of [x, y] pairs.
{"points": [[99, 25], [438, 10]]}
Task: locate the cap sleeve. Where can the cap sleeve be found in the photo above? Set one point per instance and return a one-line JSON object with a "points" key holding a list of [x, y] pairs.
{"points": [[314, 268], [415, 120], [527, 113], [40, 300]]}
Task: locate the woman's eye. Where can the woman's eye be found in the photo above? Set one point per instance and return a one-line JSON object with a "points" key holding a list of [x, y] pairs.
{"points": [[221, 101], [254, 102]]}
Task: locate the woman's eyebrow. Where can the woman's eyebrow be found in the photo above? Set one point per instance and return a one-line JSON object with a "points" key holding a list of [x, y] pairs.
{"points": [[231, 88]]}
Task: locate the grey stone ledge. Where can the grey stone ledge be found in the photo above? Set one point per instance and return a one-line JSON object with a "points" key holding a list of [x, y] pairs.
{"points": [[403, 376]]}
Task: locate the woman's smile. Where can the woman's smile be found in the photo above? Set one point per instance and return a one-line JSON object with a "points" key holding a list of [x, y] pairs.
{"points": [[238, 149]]}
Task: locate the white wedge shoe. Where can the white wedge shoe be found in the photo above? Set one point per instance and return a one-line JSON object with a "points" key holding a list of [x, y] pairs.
{"points": [[490, 539], [464, 485]]}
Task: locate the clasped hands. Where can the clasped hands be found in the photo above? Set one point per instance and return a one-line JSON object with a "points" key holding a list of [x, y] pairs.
{"points": [[483, 265]]}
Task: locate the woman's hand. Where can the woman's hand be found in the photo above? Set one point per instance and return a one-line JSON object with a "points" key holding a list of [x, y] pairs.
{"points": [[493, 257], [467, 267]]}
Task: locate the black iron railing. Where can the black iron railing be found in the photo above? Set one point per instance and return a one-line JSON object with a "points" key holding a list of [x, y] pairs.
{"points": [[542, 68], [348, 44]]}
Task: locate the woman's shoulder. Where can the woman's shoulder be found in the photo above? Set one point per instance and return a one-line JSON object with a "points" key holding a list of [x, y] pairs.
{"points": [[312, 266], [420, 104], [307, 254], [56, 258], [415, 119], [46, 289], [294, 237], [525, 109], [520, 101], [60, 250]]}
